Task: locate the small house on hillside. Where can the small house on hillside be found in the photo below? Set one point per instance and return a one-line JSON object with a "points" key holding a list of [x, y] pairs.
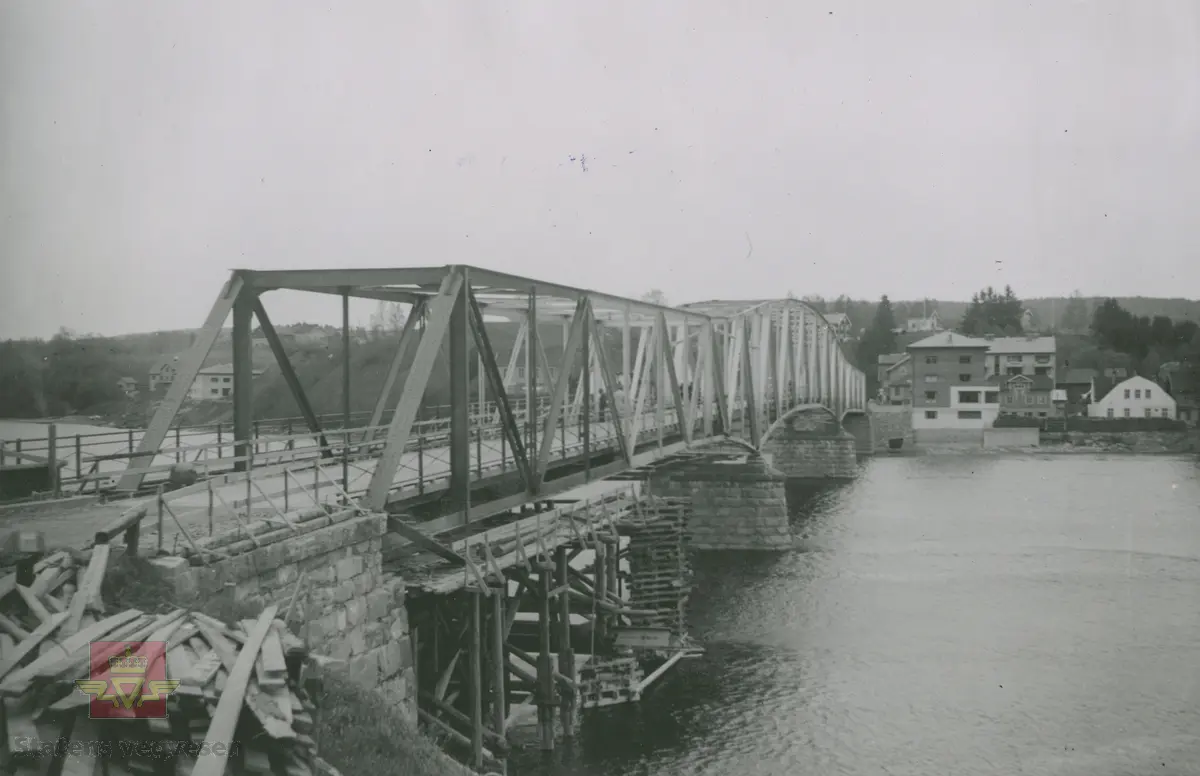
{"points": [[1135, 397], [841, 325], [933, 323], [163, 372], [214, 383], [1028, 321]]}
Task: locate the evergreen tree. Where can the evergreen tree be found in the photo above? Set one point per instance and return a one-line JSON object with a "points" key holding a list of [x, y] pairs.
{"points": [[1075, 317], [878, 340], [993, 313]]}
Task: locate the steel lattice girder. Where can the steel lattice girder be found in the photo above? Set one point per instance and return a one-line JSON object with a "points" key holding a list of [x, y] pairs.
{"points": [[711, 358]]}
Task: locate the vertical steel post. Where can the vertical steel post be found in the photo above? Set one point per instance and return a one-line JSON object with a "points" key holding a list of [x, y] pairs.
{"points": [[460, 404], [585, 351], [346, 389], [476, 683]]}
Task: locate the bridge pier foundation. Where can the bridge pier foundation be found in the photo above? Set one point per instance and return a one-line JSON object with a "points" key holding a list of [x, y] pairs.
{"points": [[734, 505], [863, 431]]}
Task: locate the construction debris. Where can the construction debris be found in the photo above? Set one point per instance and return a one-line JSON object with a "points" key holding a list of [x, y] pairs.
{"points": [[84, 690]]}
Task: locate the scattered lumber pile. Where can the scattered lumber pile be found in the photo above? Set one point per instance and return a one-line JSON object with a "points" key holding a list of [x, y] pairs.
{"points": [[238, 698]]}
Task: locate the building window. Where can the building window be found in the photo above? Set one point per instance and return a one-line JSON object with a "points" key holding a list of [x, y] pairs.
{"points": [[1041, 414], [963, 377], [1127, 413], [1041, 399], [1041, 370], [968, 397], [991, 397], [931, 396], [1014, 370], [1147, 393], [212, 379], [1137, 394], [970, 415], [1110, 412], [227, 379], [1126, 393], [931, 378], [930, 359], [1148, 412], [964, 359], [224, 391], [1166, 412], [931, 414], [1014, 359], [1042, 359], [215, 391]]}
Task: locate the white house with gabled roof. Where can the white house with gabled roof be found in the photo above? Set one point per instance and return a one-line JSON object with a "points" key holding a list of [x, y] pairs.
{"points": [[1135, 397]]}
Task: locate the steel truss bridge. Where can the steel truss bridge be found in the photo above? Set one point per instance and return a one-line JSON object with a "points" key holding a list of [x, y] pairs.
{"points": [[634, 383]]}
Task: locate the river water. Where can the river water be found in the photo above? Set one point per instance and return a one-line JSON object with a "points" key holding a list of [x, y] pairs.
{"points": [[943, 615]]}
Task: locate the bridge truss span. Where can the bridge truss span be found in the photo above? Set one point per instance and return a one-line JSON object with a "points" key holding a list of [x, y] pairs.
{"points": [[569, 384]]}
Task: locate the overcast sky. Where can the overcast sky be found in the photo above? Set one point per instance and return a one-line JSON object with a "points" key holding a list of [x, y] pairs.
{"points": [[918, 148]]}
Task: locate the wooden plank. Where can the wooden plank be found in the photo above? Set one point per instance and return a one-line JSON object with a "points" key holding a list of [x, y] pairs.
{"points": [[397, 525], [274, 665], [89, 587], [73, 648], [28, 645], [229, 707], [36, 607]]}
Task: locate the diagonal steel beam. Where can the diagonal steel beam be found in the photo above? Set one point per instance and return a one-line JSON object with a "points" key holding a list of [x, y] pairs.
{"points": [[491, 370], [411, 396], [289, 375], [574, 340], [408, 335], [668, 356], [610, 388], [184, 377]]}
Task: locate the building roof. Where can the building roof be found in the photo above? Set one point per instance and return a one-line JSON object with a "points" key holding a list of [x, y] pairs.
{"points": [[899, 363], [1035, 382], [886, 359], [948, 339], [162, 361], [837, 319], [1101, 387], [1015, 345], [223, 369], [1078, 376]]}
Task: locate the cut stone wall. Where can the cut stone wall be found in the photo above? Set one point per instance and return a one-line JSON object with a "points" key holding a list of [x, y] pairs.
{"points": [[860, 427], [738, 505], [891, 422], [349, 609], [811, 444]]}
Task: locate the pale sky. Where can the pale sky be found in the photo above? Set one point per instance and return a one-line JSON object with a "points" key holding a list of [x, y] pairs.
{"points": [[733, 150]]}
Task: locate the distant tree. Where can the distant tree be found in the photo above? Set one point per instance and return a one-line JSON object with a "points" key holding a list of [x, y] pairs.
{"points": [[1075, 317], [816, 302], [655, 296], [1162, 331], [388, 318], [878, 340], [993, 313]]}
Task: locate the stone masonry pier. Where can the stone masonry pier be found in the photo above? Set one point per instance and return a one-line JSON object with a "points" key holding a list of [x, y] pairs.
{"points": [[810, 443], [331, 567], [733, 505]]}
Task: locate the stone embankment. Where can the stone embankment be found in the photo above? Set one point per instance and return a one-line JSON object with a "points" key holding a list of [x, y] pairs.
{"points": [[890, 422], [1140, 442]]}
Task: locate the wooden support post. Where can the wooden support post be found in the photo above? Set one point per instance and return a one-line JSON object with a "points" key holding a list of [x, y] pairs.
{"points": [[476, 683], [612, 557], [52, 459], [499, 674], [566, 655], [600, 575], [547, 697]]}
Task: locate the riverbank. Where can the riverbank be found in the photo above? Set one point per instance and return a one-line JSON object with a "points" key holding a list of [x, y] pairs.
{"points": [[1078, 443]]}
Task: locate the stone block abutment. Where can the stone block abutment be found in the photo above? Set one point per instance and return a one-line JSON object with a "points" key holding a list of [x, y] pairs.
{"points": [[329, 573]]}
